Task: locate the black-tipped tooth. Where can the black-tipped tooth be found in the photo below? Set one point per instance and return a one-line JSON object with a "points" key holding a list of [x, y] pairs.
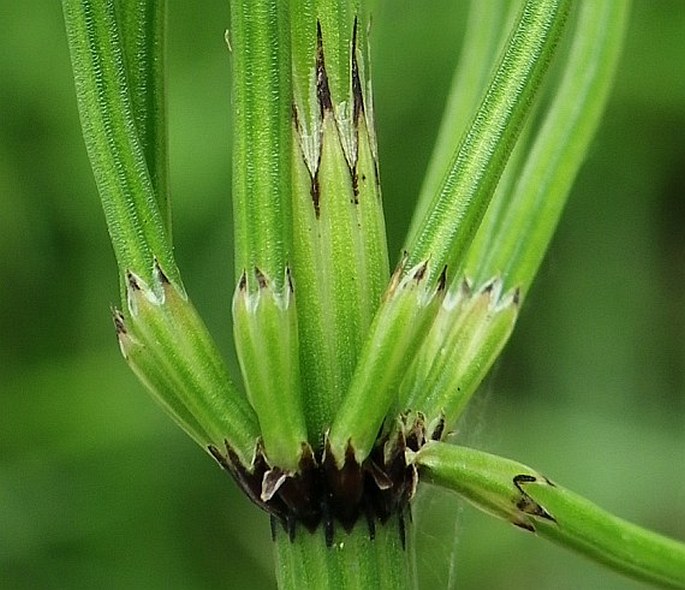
{"points": [[357, 93], [420, 272], [133, 281], [242, 282], [119, 322], [442, 279], [262, 281], [323, 91], [289, 279], [160, 275]]}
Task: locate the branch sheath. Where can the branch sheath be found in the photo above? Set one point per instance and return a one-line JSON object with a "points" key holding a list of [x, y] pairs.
{"points": [[167, 345]]}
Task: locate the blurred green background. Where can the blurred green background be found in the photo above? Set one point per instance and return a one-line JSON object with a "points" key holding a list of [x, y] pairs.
{"points": [[99, 489]]}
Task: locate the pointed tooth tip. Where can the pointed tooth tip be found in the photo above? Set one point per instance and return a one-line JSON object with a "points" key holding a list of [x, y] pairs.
{"points": [[437, 427], [119, 322], [242, 282], [323, 91], [272, 480], [395, 277], [492, 291], [442, 279], [307, 457], [420, 272], [160, 274], [262, 281], [133, 281]]}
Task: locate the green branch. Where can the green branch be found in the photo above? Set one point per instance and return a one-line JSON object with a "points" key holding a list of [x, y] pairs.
{"points": [[474, 171], [516, 238], [116, 53], [260, 40], [136, 225], [464, 340], [143, 35], [264, 307], [516, 493], [487, 28], [453, 218]]}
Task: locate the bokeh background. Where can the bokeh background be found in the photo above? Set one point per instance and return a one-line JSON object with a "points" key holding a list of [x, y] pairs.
{"points": [[99, 489]]}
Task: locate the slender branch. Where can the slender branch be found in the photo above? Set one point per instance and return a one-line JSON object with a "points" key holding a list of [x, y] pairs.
{"points": [[260, 38], [143, 35], [519, 224], [161, 335], [449, 227], [474, 171], [264, 308], [487, 27], [520, 495], [518, 237], [135, 223]]}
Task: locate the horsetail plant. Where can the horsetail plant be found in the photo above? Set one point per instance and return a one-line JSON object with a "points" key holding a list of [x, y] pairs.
{"points": [[353, 376]]}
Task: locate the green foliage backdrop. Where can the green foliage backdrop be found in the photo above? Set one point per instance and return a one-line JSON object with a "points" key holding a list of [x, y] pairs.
{"points": [[98, 487]]}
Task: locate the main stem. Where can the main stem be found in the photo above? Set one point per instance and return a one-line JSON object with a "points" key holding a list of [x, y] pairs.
{"points": [[354, 561]]}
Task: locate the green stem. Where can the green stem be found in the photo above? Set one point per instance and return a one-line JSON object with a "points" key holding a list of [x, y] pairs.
{"points": [[529, 500], [340, 261], [353, 561]]}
